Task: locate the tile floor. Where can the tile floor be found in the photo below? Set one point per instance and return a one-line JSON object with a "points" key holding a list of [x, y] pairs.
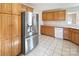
{"points": [[49, 46]]}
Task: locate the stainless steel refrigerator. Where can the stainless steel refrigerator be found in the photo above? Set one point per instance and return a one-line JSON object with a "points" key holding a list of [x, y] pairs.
{"points": [[29, 31]]}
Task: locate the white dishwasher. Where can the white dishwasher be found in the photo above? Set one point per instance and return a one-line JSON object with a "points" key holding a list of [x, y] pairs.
{"points": [[58, 32]]}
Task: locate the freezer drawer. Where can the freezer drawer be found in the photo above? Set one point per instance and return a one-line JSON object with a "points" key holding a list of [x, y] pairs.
{"points": [[35, 40], [28, 44]]}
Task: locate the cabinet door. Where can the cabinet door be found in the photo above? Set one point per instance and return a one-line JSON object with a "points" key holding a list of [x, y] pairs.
{"points": [[6, 34], [19, 25], [6, 26], [42, 29], [56, 15], [66, 34], [6, 47], [30, 9], [16, 8], [44, 16], [0, 7], [0, 33], [23, 8], [16, 35], [61, 15], [73, 37], [49, 16], [14, 25], [16, 45], [77, 37], [19, 33], [6, 7]]}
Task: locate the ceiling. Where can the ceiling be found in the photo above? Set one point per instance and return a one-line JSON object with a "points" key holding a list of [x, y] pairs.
{"points": [[47, 6]]}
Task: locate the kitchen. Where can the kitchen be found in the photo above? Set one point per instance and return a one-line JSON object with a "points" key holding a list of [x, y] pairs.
{"points": [[56, 29]]}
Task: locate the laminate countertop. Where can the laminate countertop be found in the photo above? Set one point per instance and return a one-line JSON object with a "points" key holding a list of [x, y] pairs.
{"points": [[74, 26]]}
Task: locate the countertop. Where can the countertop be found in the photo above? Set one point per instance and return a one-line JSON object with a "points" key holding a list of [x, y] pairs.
{"points": [[74, 26]]}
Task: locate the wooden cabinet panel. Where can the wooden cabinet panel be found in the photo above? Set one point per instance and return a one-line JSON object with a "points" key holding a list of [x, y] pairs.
{"points": [[19, 25], [16, 8], [42, 29], [16, 45], [66, 33], [0, 33], [14, 26], [77, 38], [56, 15], [73, 35], [6, 47], [49, 16], [6, 26], [0, 7], [23, 8], [30, 9], [44, 16], [19, 44], [61, 15], [6, 7], [47, 30], [16, 34], [6, 34]]}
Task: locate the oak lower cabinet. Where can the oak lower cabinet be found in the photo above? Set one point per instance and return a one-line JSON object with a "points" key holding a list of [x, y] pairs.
{"points": [[71, 35], [48, 30], [75, 36], [66, 33]]}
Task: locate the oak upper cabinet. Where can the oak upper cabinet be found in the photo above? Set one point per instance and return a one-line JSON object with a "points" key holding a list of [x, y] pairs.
{"points": [[6, 35], [0, 7], [44, 16], [16, 34], [23, 8], [49, 16], [0, 33], [62, 15], [16, 8], [30, 9], [58, 15], [6, 7]]}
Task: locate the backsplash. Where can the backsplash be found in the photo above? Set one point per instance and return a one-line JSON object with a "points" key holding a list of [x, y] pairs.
{"points": [[54, 23]]}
